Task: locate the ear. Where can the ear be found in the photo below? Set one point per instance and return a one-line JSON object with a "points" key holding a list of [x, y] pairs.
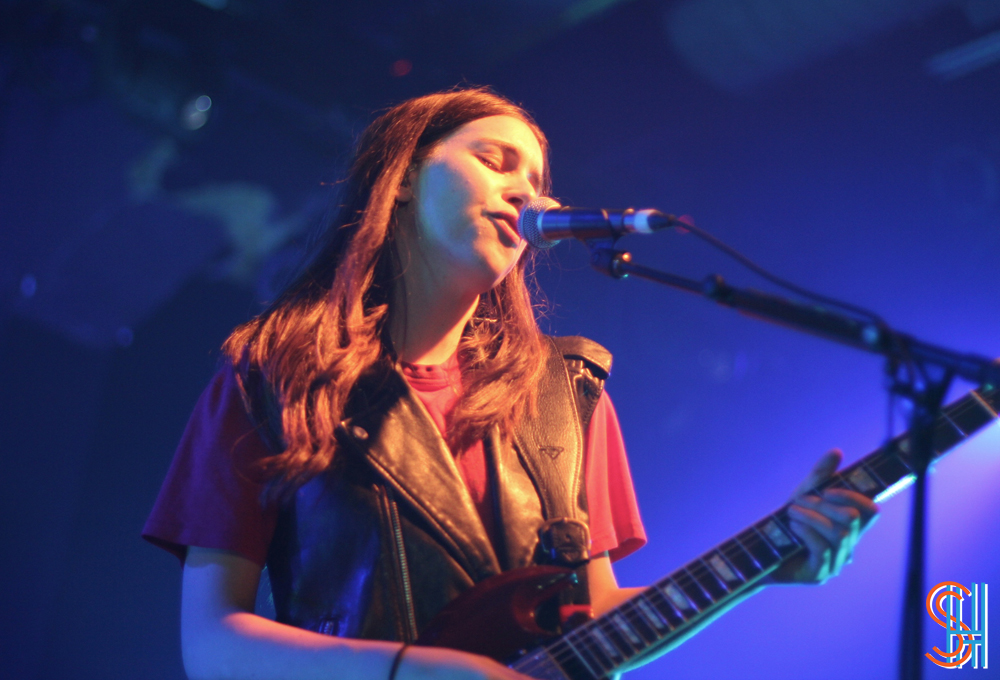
{"points": [[404, 193]]}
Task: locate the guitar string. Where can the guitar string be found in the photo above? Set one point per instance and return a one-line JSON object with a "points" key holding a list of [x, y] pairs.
{"points": [[564, 652], [869, 464], [629, 611], [685, 578], [970, 403], [729, 549]]}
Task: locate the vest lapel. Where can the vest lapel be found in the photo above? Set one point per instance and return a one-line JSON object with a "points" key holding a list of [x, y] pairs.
{"points": [[405, 447]]}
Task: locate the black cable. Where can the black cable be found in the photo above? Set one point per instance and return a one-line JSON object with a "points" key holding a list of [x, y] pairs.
{"points": [[888, 334], [777, 280]]}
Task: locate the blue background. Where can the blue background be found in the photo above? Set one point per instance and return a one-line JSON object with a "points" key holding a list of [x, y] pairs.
{"points": [[854, 172]]}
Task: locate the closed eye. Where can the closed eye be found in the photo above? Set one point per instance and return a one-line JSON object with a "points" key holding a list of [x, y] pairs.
{"points": [[501, 156]]}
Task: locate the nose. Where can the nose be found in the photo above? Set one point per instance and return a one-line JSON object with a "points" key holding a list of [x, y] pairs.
{"points": [[520, 193]]}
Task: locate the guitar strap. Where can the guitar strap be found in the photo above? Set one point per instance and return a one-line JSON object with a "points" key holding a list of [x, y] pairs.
{"points": [[551, 447]]}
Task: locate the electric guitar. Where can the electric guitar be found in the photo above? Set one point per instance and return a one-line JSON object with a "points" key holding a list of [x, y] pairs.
{"points": [[506, 604]]}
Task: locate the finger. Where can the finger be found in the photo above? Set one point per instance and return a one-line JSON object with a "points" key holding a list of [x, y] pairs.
{"points": [[827, 557], [846, 515], [832, 533], [840, 533], [846, 548], [848, 497], [824, 467], [820, 554], [867, 507]]}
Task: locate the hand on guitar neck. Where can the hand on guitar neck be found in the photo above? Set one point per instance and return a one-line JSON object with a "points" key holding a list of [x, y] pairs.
{"points": [[828, 522]]}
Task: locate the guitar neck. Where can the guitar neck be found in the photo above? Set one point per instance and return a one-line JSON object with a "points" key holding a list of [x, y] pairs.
{"points": [[693, 593]]}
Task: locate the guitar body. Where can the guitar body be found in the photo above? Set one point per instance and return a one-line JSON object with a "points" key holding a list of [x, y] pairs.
{"points": [[497, 618]]}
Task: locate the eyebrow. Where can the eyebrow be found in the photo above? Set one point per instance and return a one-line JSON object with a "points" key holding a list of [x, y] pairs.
{"points": [[533, 177]]}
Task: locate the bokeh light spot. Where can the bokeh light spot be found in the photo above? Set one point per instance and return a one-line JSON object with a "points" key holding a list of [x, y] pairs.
{"points": [[124, 336], [29, 286], [194, 115], [401, 67]]}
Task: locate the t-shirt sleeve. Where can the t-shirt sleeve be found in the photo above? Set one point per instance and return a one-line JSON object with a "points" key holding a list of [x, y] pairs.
{"points": [[615, 524], [209, 498]]}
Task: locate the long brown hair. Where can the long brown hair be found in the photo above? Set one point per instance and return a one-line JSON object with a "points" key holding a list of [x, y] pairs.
{"points": [[330, 325]]}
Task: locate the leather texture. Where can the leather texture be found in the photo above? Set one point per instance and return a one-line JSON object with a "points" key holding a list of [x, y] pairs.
{"points": [[335, 565]]}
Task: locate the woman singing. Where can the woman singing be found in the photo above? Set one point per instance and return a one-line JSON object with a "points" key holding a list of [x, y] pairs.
{"points": [[394, 428]]}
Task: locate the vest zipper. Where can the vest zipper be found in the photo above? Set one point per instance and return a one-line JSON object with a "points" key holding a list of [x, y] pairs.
{"points": [[404, 569]]}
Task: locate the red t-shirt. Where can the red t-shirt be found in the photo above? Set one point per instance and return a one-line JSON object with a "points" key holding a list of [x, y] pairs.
{"points": [[208, 501]]}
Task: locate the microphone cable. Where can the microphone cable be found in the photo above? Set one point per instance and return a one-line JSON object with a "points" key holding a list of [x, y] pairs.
{"points": [[885, 331], [715, 242]]}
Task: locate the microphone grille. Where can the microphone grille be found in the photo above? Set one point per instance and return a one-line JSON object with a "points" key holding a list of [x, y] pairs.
{"points": [[527, 222]]}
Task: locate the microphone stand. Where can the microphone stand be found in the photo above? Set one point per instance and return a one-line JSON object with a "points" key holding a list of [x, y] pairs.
{"points": [[918, 371]]}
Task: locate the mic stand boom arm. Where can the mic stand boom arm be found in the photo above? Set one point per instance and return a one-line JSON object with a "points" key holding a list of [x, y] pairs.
{"points": [[807, 318], [929, 372]]}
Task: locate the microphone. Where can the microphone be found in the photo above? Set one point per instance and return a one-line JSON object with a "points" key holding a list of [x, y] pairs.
{"points": [[544, 222]]}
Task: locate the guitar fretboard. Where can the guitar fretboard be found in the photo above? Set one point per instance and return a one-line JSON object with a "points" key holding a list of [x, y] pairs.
{"points": [[666, 610]]}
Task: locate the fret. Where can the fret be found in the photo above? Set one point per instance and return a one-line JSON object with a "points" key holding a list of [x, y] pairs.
{"points": [[679, 600], [989, 396], [604, 642], [620, 642], [693, 590], [573, 668], [972, 415], [759, 548], [955, 408], [889, 467], [589, 651], [637, 621], [780, 538], [597, 664], [741, 558], [882, 483], [990, 403], [784, 522], [946, 434], [838, 481], [542, 666], [651, 614], [723, 569], [661, 602], [576, 666], [708, 581], [865, 480], [625, 628]]}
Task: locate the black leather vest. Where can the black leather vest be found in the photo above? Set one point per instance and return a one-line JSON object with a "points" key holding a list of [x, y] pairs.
{"points": [[379, 543]]}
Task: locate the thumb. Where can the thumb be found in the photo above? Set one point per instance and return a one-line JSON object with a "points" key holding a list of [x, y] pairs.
{"points": [[824, 467]]}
